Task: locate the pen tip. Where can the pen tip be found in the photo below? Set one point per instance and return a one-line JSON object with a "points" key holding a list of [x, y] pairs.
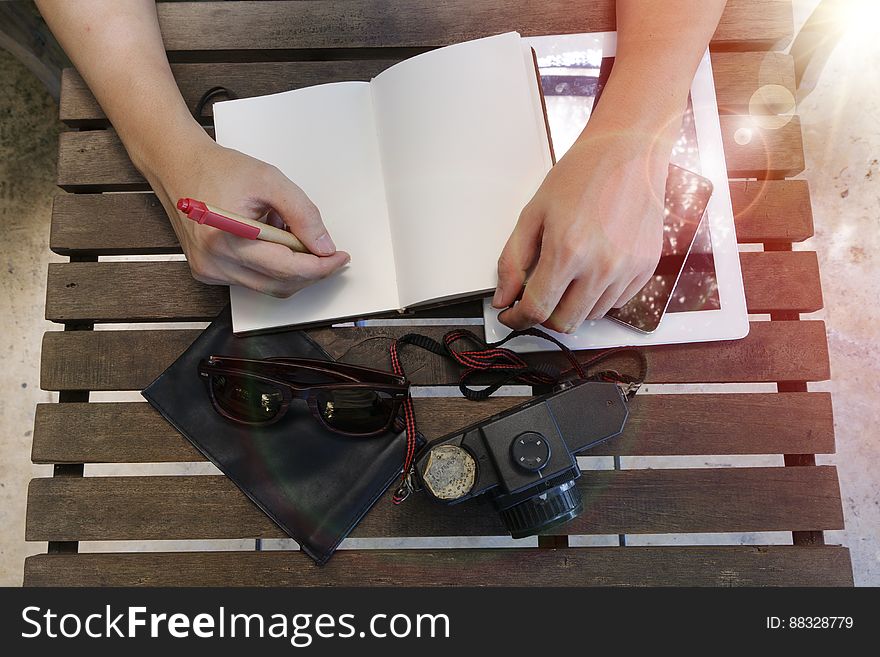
{"points": [[183, 204]]}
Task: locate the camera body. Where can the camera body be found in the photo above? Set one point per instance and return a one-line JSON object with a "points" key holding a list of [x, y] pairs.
{"points": [[525, 457]]}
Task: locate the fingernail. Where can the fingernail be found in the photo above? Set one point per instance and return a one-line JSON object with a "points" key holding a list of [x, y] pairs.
{"points": [[325, 245], [496, 300]]}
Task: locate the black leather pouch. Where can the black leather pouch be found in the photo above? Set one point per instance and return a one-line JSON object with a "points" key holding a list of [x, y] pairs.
{"points": [[315, 484]]}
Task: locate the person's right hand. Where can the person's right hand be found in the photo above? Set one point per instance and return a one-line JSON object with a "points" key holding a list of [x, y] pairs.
{"points": [[246, 186]]}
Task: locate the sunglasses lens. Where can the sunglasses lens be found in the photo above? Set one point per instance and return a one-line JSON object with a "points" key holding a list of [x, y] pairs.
{"points": [[356, 411], [245, 398]]}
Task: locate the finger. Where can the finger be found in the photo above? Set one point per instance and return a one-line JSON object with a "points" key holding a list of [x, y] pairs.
{"points": [[605, 302], [234, 274], [314, 268], [280, 263], [572, 308], [300, 215], [274, 219], [281, 287], [253, 280], [541, 295], [518, 256], [632, 289]]}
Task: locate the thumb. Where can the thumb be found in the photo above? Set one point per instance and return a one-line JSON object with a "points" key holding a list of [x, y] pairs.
{"points": [[519, 254], [300, 215]]}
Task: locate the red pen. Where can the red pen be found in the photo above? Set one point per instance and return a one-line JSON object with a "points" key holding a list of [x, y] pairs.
{"points": [[229, 222]]}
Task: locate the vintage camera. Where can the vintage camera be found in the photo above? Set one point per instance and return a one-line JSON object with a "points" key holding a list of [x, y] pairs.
{"points": [[525, 457]]}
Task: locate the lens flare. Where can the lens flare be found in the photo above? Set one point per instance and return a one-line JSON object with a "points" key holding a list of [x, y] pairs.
{"points": [[742, 136], [771, 107]]}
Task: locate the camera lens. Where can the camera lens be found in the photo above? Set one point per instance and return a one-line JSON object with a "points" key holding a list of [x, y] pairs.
{"points": [[547, 509]]}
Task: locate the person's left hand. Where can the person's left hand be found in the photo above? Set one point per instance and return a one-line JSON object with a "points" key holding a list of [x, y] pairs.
{"points": [[591, 236]]}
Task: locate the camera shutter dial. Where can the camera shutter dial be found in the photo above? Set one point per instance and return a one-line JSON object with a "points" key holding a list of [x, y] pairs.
{"points": [[530, 451]]}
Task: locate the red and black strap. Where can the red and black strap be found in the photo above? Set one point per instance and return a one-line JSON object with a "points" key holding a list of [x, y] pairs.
{"points": [[482, 357], [409, 418]]}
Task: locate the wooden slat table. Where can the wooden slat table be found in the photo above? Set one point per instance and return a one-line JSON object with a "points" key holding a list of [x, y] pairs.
{"points": [[258, 48]]}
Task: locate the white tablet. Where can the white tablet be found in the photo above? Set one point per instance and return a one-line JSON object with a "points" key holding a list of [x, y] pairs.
{"points": [[708, 302]]}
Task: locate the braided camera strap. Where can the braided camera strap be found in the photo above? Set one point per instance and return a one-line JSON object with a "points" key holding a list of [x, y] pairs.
{"points": [[510, 367]]}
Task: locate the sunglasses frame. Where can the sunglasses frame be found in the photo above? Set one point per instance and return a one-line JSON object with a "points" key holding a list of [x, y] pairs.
{"points": [[395, 386]]}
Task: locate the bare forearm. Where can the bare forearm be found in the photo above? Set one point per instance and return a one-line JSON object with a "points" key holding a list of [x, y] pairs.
{"points": [[659, 46], [591, 236], [117, 48]]}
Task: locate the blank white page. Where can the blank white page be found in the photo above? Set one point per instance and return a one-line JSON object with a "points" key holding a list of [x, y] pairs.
{"points": [[324, 139], [464, 148]]}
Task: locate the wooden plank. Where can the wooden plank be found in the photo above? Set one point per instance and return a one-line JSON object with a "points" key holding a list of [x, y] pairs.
{"points": [[110, 224], [130, 360], [752, 151], [160, 291], [95, 160], [616, 502], [771, 281], [771, 210], [130, 291], [770, 24], [79, 107], [719, 423], [118, 224], [202, 27], [771, 565], [737, 76], [738, 423]]}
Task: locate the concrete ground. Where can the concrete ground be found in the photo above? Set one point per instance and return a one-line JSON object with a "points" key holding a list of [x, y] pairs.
{"points": [[841, 126], [28, 150]]}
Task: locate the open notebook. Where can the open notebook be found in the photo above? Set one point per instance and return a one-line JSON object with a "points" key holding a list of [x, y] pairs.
{"points": [[420, 174]]}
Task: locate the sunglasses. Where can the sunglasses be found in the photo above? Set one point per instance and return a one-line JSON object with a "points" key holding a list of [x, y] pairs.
{"points": [[347, 399]]}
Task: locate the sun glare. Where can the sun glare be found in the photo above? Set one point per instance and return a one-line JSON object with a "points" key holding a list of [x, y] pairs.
{"points": [[858, 18]]}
